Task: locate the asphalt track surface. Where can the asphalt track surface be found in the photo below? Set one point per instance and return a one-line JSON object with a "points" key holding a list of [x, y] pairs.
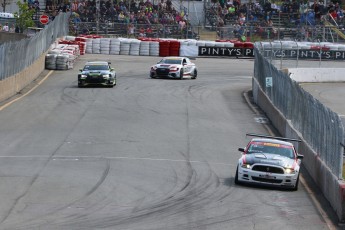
{"points": [[147, 154]]}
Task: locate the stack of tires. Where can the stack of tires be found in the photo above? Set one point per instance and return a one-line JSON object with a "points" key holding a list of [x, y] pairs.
{"points": [[134, 47], [154, 48], [174, 49], [144, 48], [114, 46], [164, 48], [105, 45], [125, 46]]}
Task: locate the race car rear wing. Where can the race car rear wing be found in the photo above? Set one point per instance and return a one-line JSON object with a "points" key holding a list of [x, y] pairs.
{"points": [[272, 137]]}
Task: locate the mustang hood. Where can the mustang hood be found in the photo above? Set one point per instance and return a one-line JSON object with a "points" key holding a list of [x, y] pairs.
{"points": [[270, 159]]}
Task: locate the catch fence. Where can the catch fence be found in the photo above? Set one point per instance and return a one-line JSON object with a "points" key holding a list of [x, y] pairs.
{"points": [[16, 56], [256, 32], [132, 30], [321, 128]]}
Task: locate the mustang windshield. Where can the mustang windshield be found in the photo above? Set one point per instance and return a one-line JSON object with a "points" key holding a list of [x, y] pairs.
{"points": [[279, 149], [96, 67]]}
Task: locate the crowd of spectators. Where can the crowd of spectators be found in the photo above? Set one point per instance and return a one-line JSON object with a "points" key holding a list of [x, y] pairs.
{"points": [[259, 16], [136, 18]]}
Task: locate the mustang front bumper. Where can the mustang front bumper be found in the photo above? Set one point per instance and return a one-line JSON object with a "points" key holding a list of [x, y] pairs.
{"points": [[269, 178]]}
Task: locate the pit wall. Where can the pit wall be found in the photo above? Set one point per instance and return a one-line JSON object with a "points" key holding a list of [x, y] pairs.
{"points": [[12, 85], [332, 188]]}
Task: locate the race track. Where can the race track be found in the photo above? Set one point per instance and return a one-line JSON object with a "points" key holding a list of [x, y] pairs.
{"points": [[148, 154]]}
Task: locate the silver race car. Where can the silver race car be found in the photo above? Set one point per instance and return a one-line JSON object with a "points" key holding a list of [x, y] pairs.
{"points": [[269, 160], [97, 73], [174, 67]]}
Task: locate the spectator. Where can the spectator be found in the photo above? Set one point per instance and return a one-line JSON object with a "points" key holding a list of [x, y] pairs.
{"points": [[6, 28], [142, 32], [241, 19], [333, 14], [121, 17], [149, 32], [12, 28], [131, 30], [182, 25]]}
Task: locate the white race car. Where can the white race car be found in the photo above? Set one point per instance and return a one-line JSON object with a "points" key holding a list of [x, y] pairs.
{"points": [[174, 67], [269, 160]]}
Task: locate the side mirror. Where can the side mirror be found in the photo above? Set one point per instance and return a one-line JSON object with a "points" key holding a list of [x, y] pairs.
{"points": [[241, 150], [111, 69], [300, 156], [80, 70]]}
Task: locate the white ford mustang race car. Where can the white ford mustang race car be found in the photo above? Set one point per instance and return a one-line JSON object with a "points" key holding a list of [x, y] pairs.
{"points": [[174, 67], [269, 160]]}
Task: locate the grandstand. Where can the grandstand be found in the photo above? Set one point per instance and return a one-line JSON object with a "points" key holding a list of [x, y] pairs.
{"points": [[207, 20]]}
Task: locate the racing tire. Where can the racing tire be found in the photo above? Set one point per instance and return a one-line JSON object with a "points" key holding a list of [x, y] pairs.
{"points": [[152, 75], [80, 86], [296, 186], [181, 75], [195, 75], [236, 177]]}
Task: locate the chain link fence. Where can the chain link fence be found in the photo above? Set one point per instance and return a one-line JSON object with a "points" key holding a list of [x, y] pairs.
{"points": [[16, 56], [321, 128]]}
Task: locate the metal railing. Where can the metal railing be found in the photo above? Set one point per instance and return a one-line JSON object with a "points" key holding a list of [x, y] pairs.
{"points": [[254, 32], [321, 128], [110, 29], [16, 56]]}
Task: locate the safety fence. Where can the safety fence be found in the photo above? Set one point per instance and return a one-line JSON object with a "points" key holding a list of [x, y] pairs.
{"points": [[257, 32], [133, 30], [16, 56], [292, 54], [321, 128]]}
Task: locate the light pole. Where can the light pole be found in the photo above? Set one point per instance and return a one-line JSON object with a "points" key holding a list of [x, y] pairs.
{"points": [[98, 7]]}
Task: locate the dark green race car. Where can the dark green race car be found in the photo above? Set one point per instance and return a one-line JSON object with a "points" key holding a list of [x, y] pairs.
{"points": [[97, 73]]}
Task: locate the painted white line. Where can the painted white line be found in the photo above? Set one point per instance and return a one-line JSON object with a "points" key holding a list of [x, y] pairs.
{"points": [[32, 89]]}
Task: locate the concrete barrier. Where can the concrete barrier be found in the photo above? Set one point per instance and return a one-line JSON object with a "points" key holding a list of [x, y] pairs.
{"points": [[12, 85], [317, 75], [332, 188], [10, 37]]}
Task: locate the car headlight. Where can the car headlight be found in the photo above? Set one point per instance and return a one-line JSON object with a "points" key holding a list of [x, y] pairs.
{"points": [[83, 76], [105, 75], [289, 171], [247, 166], [153, 67], [174, 69]]}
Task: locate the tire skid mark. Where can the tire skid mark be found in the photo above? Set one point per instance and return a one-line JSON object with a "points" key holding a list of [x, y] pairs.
{"points": [[34, 179], [193, 197], [51, 216]]}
